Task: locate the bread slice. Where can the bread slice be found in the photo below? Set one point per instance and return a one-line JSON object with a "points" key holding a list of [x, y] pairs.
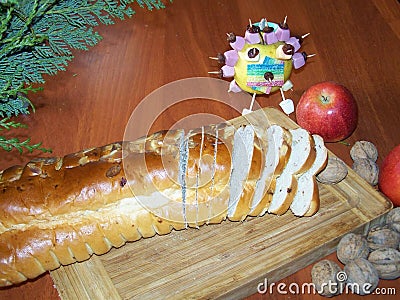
{"points": [[301, 158], [242, 157], [306, 199], [156, 176], [276, 157], [207, 182], [213, 174]]}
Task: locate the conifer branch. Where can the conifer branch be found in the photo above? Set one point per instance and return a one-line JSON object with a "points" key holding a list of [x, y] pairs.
{"points": [[37, 38], [9, 144], [7, 124]]}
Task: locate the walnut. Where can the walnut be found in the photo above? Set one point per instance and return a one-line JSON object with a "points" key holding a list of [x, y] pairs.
{"points": [[362, 277], [387, 262], [367, 169], [393, 219], [383, 237], [352, 246], [364, 149], [324, 277], [334, 172]]}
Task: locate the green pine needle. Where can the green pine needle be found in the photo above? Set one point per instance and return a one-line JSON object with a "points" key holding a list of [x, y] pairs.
{"points": [[6, 124], [37, 38], [9, 144]]}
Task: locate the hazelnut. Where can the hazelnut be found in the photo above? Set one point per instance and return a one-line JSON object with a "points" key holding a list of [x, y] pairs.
{"points": [[364, 149], [352, 246], [362, 277], [367, 169], [334, 172]]}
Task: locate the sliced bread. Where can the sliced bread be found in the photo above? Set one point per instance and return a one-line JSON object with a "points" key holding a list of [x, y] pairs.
{"points": [[306, 199], [276, 157], [302, 156]]}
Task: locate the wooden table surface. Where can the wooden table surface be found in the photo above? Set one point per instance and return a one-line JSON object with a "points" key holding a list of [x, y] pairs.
{"points": [[357, 43]]}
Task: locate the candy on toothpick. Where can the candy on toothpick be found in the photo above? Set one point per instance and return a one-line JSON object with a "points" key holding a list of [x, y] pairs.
{"points": [[299, 59], [220, 58], [228, 71], [262, 24], [236, 42], [283, 31], [296, 41], [225, 71], [229, 58], [287, 105], [288, 85], [270, 36], [285, 51], [233, 87], [252, 34]]}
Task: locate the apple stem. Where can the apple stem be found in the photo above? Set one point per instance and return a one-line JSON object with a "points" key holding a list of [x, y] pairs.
{"points": [[324, 99], [344, 143]]}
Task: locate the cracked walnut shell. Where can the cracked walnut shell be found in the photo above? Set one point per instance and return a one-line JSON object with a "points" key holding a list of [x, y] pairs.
{"points": [[367, 169], [364, 149]]}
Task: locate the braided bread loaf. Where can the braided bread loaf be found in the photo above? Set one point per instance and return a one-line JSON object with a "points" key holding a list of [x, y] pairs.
{"points": [[57, 211]]}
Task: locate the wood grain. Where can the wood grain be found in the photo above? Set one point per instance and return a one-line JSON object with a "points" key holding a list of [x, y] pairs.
{"points": [[89, 105]]}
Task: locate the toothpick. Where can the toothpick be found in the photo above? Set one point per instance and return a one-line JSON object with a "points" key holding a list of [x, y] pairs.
{"points": [[284, 21], [283, 96], [214, 72], [214, 58], [251, 25], [252, 101], [305, 35], [311, 55]]}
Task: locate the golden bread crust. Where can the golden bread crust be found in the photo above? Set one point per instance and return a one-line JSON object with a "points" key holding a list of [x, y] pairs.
{"points": [[57, 211]]}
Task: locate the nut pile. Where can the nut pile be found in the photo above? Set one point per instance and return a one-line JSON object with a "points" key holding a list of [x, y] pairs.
{"points": [[364, 155], [366, 259]]}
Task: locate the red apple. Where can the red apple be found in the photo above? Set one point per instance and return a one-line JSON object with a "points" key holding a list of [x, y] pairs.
{"points": [[389, 176], [328, 109]]}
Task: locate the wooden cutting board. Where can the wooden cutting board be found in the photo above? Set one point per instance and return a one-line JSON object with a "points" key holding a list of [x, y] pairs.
{"points": [[227, 260]]}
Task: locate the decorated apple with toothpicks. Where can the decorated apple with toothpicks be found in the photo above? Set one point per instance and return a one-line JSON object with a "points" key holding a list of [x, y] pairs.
{"points": [[261, 61]]}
